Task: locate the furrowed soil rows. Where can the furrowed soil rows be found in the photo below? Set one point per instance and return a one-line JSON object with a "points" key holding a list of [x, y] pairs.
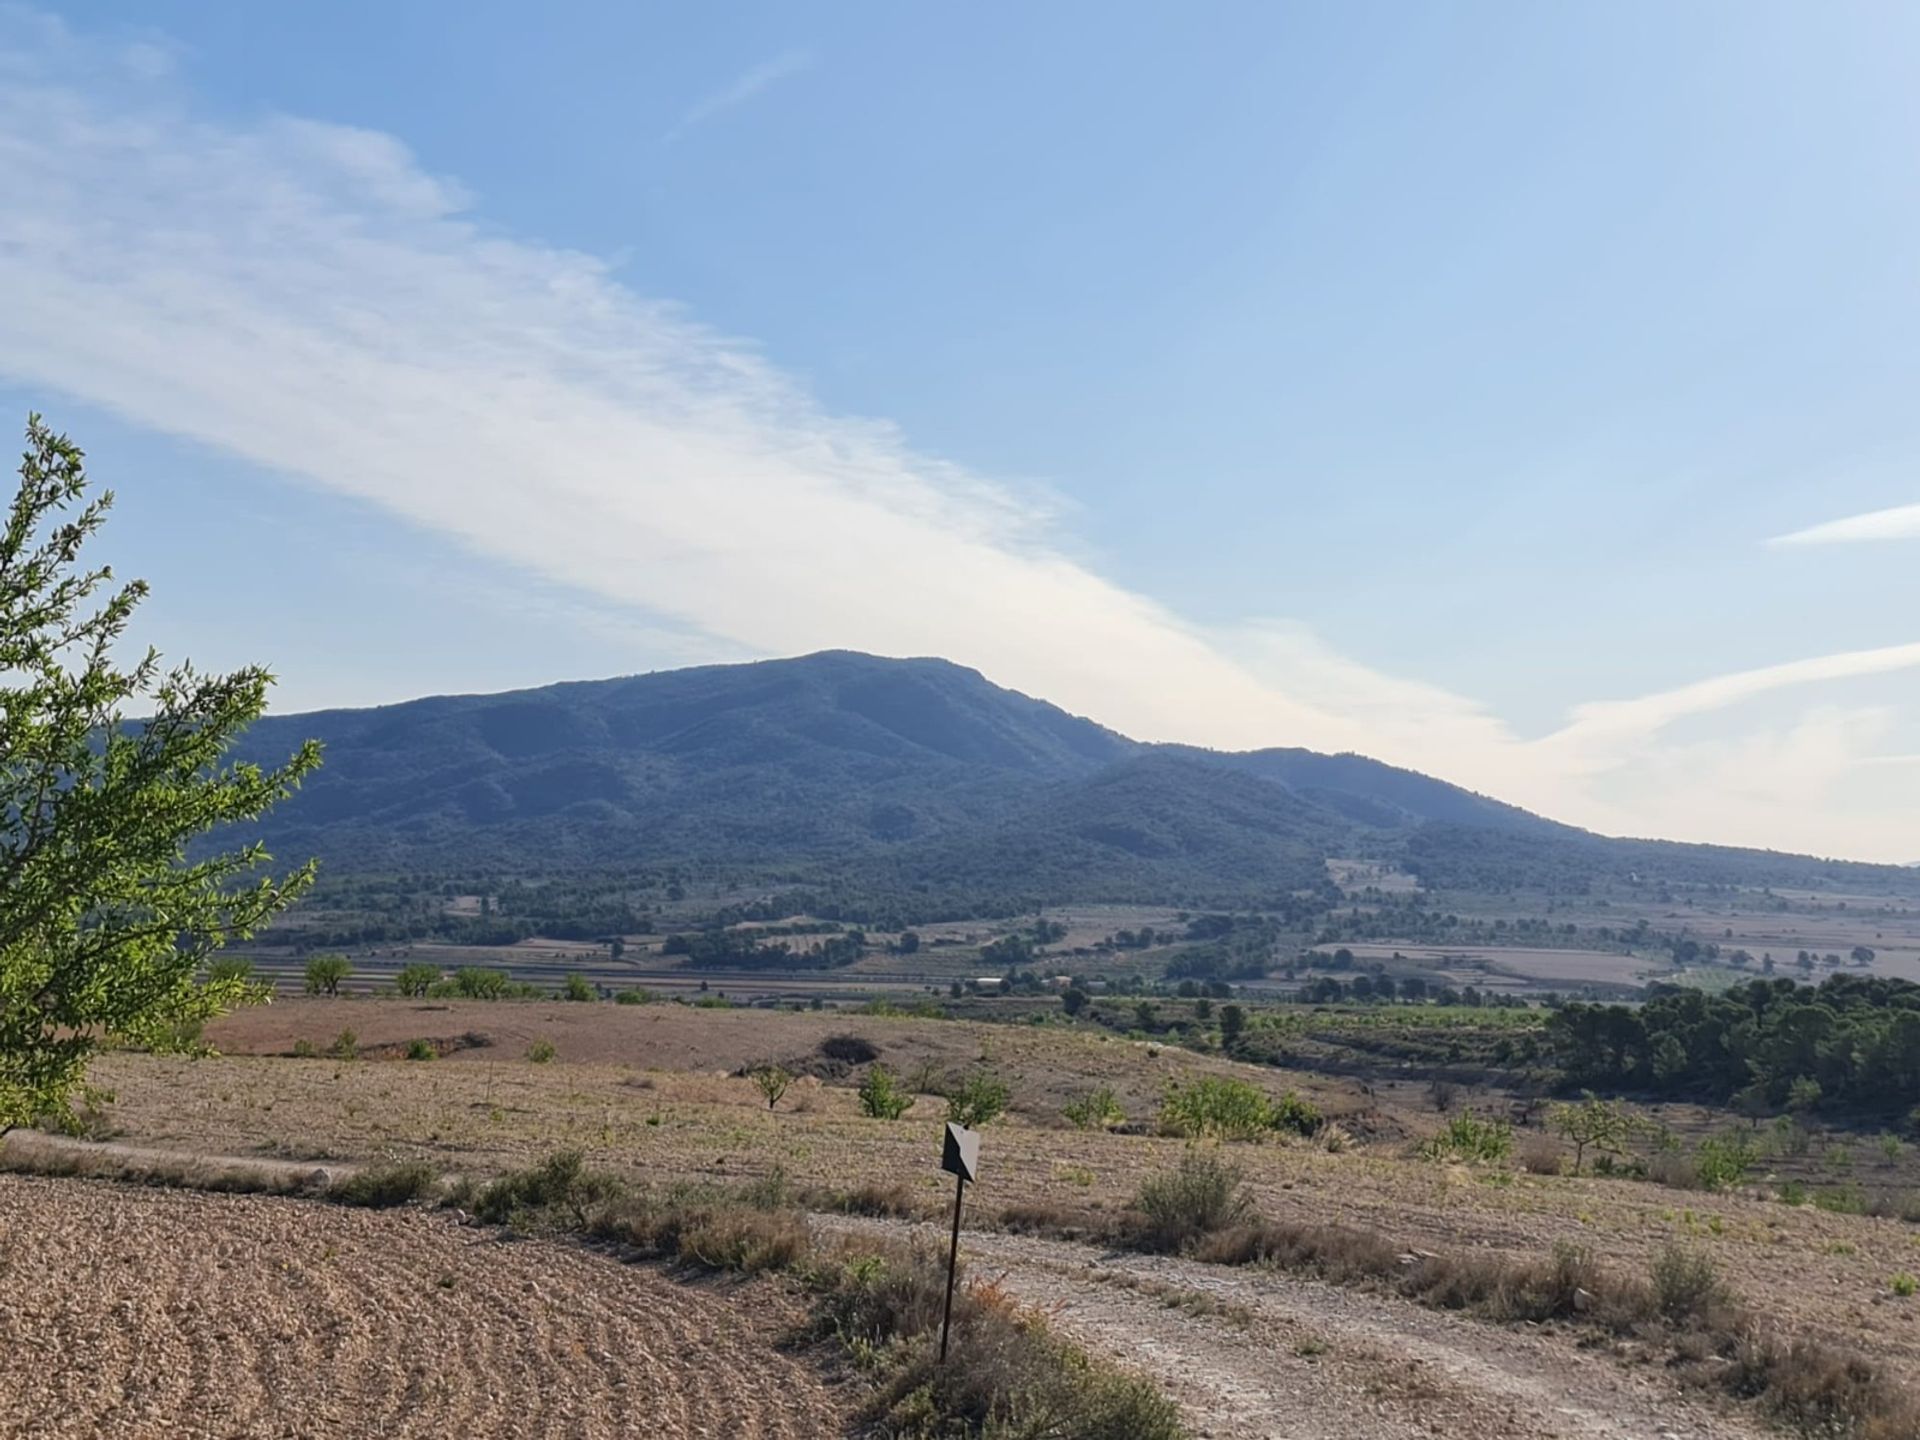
{"points": [[140, 1313]]}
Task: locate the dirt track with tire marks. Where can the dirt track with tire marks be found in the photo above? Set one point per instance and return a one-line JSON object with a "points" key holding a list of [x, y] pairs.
{"points": [[138, 1313]]}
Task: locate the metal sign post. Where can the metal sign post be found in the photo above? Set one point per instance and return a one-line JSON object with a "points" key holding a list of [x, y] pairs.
{"points": [[960, 1157]]}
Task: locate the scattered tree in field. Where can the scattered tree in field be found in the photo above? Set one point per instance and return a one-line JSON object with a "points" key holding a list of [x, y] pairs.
{"points": [[576, 987], [230, 968], [326, 973], [105, 926], [471, 982], [979, 1099], [772, 1082], [1073, 1000], [417, 979], [1096, 1110], [1803, 1094], [1593, 1122], [882, 1097], [1233, 1024]]}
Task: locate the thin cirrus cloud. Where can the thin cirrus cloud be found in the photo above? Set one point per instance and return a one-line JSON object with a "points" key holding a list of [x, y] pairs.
{"points": [[307, 297], [1899, 522], [749, 84]]}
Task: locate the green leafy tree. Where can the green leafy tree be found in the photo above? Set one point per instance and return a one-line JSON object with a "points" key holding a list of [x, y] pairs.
{"points": [[577, 987], [882, 1097], [979, 1099], [1073, 1000], [417, 979], [326, 973], [471, 982], [106, 925], [1233, 1024], [230, 967]]}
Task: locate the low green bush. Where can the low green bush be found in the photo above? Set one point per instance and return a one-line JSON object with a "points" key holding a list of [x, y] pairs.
{"points": [[1468, 1136], [1724, 1160], [882, 1097], [1098, 1109], [1300, 1117], [560, 1193], [978, 1099], [1216, 1107]]}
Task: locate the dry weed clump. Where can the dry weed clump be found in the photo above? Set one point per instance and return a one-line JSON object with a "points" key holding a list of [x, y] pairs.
{"points": [[383, 1187], [1173, 1209], [1333, 1252], [1540, 1155], [884, 1199], [1813, 1389], [1044, 1217], [185, 1172], [1007, 1374], [1010, 1374]]}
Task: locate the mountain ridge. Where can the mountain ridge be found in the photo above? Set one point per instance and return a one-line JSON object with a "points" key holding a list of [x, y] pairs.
{"points": [[912, 773]]}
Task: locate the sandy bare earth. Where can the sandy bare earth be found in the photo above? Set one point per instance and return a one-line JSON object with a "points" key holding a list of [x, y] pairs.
{"points": [[133, 1313], [1252, 1355]]}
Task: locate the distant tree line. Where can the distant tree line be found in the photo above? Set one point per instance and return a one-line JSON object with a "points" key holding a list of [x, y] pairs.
{"points": [[1852, 1044], [743, 950]]}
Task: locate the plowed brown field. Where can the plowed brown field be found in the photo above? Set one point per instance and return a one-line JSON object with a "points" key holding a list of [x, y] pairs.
{"points": [[137, 1313]]}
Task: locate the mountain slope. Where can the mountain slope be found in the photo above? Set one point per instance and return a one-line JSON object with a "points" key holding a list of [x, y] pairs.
{"points": [[910, 776], [826, 755]]}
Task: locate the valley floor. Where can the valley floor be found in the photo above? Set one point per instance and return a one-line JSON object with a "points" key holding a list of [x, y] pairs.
{"points": [[119, 1281]]}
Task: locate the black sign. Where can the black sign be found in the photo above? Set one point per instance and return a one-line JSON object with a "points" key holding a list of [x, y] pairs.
{"points": [[962, 1153]]}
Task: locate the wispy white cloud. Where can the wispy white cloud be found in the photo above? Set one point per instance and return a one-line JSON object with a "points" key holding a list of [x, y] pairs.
{"points": [[310, 298], [1900, 522], [741, 90], [1595, 729]]}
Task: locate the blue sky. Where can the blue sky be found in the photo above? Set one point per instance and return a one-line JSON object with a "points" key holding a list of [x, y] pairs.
{"points": [[1521, 393]]}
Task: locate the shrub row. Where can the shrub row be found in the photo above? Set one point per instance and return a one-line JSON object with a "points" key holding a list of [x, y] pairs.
{"points": [[1203, 1209], [1008, 1374]]}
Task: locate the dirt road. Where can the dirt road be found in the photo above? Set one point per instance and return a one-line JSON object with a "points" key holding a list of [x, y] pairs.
{"points": [[1252, 1354]]}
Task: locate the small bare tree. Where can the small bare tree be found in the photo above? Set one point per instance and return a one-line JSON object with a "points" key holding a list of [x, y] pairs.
{"points": [[1602, 1125], [773, 1082]]}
